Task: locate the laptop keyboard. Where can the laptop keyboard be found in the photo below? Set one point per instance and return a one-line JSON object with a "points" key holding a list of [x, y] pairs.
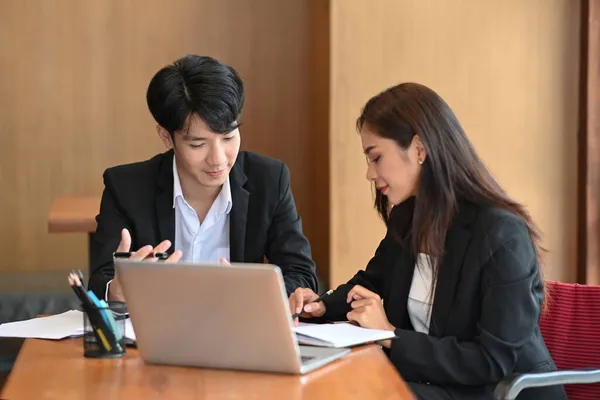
{"points": [[305, 359]]}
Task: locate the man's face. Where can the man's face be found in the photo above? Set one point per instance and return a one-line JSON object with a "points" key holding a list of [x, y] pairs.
{"points": [[203, 156]]}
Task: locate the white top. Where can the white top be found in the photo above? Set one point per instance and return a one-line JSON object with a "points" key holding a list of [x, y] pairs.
{"points": [[206, 242], [420, 298]]}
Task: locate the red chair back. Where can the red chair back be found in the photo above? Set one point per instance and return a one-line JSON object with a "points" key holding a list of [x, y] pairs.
{"points": [[571, 330]]}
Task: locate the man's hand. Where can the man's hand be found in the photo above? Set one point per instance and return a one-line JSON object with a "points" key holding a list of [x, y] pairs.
{"points": [[225, 262], [115, 291], [367, 311], [302, 301]]}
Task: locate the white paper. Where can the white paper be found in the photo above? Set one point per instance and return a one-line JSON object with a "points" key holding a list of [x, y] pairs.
{"points": [[129, 332], [338, 335], [60, 326]]}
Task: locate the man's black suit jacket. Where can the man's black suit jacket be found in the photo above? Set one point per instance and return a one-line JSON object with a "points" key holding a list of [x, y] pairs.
{"points": [[263, 219], [486, 308]]}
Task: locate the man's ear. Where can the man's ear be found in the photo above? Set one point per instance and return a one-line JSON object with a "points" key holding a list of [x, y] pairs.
{"points": [[165, 137]]}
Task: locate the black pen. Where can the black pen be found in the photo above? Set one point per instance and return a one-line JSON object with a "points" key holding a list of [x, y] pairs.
{"points": [[127, 254], [81, 294], [318, 299]]}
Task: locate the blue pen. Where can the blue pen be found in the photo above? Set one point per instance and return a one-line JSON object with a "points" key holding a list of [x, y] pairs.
{"points": [[106, 314]]}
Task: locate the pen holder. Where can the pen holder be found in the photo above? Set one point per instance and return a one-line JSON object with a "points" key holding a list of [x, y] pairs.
{"points": [[103, 337]]}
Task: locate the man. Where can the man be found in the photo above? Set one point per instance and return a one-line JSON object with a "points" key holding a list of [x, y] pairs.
{"points": [[211, 201]]}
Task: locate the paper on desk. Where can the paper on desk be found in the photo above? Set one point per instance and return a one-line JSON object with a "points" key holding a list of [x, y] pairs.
{"points": [[338, 335], [60, 326]]}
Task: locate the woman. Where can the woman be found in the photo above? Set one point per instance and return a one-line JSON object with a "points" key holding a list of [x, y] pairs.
{"points": [[458, 270]]}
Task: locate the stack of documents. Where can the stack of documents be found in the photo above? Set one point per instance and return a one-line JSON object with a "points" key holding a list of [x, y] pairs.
{"points": [[338, 335], [60, 326]]}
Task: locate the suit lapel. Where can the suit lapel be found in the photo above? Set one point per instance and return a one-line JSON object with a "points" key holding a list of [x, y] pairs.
{"points": [[165, 213], [457, 241], [239, 213]]}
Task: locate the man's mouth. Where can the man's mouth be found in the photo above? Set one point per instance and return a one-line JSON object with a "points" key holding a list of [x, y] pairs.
{"points": [[215, 174]]}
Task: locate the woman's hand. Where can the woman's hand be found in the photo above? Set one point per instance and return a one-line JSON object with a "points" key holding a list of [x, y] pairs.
{"points": [[367, 311]]}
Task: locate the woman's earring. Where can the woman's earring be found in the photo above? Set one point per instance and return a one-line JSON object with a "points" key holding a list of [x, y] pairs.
{"points": [[421, 162]]}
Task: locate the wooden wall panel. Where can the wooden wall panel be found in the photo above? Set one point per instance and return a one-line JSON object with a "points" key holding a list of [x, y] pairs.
{"points": [[509, 69], [72, 100], [589, 145], [319, 67]]}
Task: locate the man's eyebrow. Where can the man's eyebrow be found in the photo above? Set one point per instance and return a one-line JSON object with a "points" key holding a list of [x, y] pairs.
{"points": [[192, 138]]}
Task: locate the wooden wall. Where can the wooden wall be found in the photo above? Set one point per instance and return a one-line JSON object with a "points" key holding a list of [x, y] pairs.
{"points": [[508, 68], [72, 103], [72, 100], [589, 143]]}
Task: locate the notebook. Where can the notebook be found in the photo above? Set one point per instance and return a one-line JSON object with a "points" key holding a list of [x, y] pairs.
{"points": [[342, 334]]}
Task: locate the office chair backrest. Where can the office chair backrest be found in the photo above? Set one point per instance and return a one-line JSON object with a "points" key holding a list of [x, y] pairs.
{"points": [[571, 330]]}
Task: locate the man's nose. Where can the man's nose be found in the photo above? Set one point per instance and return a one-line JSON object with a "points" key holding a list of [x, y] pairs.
{"points": [[216, 155]]}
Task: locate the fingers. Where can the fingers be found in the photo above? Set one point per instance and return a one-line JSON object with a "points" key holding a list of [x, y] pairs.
{"points": [[125, 243], [142, 253], [362, 303], [357, 315], [173, 258], [225, 262], [296, 304], [312, 309], [298, 299], [146, 252], [358, 292], [163, 246], [315, 308]]}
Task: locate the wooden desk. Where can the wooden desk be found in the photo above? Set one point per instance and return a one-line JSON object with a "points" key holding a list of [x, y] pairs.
{"points": [[57, 370], [70, 214]]}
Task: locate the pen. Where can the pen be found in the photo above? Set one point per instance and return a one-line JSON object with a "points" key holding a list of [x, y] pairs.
{"points": [[76, 286], [127, 254], [80, 275], [318, 299]]}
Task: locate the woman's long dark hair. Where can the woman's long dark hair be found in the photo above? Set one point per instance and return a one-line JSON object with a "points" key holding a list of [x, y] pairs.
{"points": [[452, 170]]}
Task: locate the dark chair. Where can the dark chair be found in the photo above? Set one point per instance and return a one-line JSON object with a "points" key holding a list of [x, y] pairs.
{"points": [[571, 330], [27, 295]]}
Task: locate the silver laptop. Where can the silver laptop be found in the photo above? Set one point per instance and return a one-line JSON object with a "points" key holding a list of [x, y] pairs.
{"points": [[214, 316]]}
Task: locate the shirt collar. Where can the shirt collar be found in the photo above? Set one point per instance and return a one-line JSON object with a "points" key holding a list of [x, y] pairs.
{"points": [[224, 200]]}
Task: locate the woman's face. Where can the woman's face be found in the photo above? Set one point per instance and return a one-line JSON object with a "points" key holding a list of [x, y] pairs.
{"points": [[393, 170]]}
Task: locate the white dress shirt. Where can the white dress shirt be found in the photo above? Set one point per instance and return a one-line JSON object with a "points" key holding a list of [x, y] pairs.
{"points": [[200, 242], [207, 241], [420, 298]]}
